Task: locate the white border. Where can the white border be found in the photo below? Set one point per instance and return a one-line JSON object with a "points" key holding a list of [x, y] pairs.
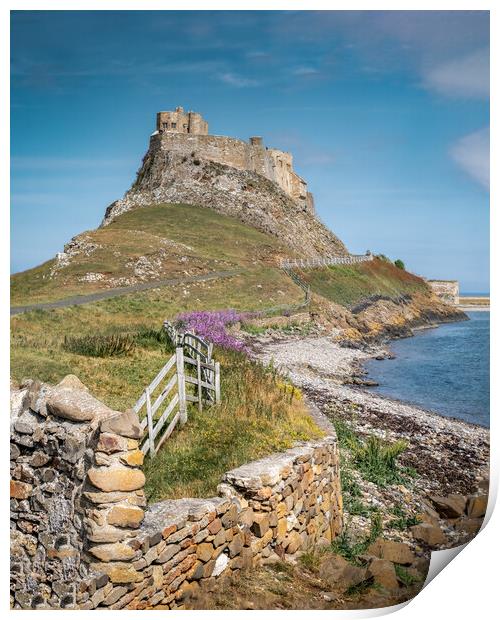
{"points": [[467, 587]]}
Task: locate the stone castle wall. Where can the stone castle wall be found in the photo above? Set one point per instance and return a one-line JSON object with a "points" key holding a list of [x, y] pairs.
{"points": [[83, 537], [275, 165], [447, 290]]}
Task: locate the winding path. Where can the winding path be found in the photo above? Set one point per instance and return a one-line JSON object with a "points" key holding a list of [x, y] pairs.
{"points": [[116, 292]]}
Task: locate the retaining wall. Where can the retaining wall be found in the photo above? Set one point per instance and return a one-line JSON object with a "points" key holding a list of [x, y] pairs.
{"points": [[82, 536]]}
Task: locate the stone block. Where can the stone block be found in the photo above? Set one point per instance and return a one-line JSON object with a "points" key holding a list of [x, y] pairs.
{"points": [[118, 572], [135, 458], [125, 516], [116, 478], [20, 490], [109, 443], [113, 551], [124, 424], [75, 405], [260, 524], [204, 551]]}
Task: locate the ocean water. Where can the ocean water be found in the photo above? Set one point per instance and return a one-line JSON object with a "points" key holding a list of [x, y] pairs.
{"points": [[444, 369]]}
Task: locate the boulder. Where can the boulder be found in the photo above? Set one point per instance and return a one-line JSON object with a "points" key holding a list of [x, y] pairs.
{"points": [[124, 424], [450, 507], [73, 382], [76, 405], [339, 574], [469, 526], [476, 506], [383, 573], [429, 534], [397, 552]]}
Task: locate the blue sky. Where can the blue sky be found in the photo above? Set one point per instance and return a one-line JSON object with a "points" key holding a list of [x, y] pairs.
{"points": [[386, 114]]}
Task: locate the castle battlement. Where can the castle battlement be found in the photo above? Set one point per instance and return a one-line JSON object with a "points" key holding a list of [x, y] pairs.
{"points": [[187, 132], [181, 122]]}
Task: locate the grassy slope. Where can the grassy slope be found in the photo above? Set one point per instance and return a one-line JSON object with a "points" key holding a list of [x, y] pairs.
{"points": [[256, 417], [349, 285], [196, 240]]}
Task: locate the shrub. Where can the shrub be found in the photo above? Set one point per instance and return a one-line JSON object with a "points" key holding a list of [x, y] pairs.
{"points": [[151, 338], [99, 345], [349, 548], [406, 578], [402, 520], [399, 263], [212, 326], [377, 460]]}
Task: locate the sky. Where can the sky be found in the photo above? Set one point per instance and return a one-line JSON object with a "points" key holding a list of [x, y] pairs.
{"points": [[386, 114]]}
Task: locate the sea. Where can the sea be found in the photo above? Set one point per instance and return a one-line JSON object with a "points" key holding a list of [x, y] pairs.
{"points": [[444, 369]]}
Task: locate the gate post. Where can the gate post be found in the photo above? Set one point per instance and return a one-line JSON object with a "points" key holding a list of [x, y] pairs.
{"points": [[181, 385]]}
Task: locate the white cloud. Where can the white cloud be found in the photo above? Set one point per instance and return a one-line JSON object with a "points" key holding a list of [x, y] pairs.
{"points": [[237, 80], [468, 76], [305, 71], [472, 154]]}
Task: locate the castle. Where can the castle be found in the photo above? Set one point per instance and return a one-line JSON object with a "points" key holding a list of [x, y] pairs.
{"points": [[257, 185], [186, 132]]}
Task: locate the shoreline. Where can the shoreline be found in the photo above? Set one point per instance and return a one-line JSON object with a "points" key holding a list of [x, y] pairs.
{"points": [[474, 308], [450, 456]]}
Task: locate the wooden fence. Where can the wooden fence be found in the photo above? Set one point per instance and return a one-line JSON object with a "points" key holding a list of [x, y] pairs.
{"points": [[165, 398], [325, 261]]}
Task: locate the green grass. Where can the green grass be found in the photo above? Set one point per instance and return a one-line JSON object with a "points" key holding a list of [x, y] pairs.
{"points": [[402, 520], [405, 577], [37, 337], [350, 285], [191, 239], [375, 459], [258, 415], [351, 548]]}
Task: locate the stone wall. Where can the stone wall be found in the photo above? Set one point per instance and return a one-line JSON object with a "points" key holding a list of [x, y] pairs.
{"points": [[82, 536], [275, 165], [447, 290]]}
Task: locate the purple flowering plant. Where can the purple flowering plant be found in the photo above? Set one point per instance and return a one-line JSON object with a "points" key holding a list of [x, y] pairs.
{"points": [[212, 326]]}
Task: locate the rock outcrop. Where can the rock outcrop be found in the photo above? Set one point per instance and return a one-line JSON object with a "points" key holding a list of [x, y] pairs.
{"points": [[170, 177]]}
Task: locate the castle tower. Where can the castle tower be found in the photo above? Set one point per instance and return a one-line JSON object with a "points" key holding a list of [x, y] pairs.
{"points": [[179, 121]]}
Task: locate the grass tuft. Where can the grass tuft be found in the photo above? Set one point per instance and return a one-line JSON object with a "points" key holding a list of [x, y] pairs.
{"points": [[99, 345]]}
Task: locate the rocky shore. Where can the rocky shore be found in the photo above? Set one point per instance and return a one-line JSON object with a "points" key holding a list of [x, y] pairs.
{"points": [[450, 455], [436, 500]]}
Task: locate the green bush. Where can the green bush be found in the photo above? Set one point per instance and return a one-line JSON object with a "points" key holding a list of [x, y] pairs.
{"points": [[350, 548], [399, 263], [377, 460], [99, 345], [151, 338]]}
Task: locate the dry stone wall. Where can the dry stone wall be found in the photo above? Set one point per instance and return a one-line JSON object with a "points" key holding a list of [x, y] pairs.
{"points": [[83, 537]]}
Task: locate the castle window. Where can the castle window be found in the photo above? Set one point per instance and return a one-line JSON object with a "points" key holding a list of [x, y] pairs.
{"points": [[165, 125], [174, 125]]}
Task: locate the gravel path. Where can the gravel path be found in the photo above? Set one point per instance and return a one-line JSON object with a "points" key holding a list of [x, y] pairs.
{"points": [[116, 292]]}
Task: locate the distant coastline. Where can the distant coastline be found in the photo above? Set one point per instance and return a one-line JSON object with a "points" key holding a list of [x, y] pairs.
{"points": [[476, 302]]}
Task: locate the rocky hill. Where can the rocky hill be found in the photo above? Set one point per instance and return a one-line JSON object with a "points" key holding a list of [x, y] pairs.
{"points": [[168, 177], [212, 205]]}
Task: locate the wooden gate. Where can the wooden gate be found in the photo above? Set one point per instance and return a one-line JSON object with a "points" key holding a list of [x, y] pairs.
{"points": [[163, 404]]}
